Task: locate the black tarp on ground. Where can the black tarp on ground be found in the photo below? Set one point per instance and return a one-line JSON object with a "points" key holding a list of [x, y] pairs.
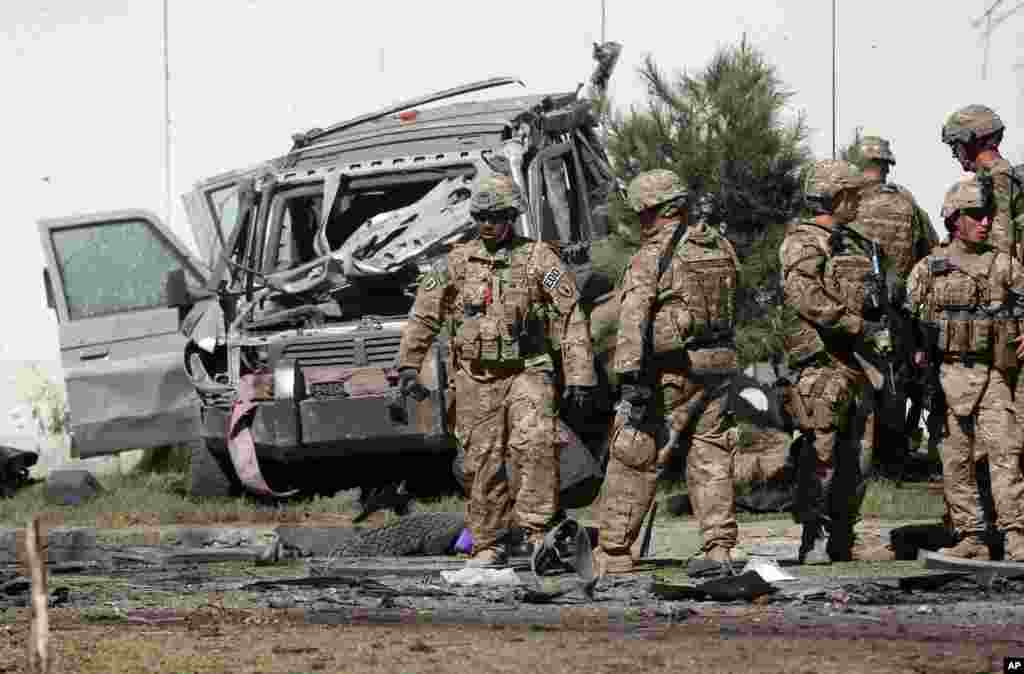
{"points": [[14, 467]]}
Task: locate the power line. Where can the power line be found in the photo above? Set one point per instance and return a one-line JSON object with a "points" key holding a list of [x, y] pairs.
{"points": [[991, 21]]}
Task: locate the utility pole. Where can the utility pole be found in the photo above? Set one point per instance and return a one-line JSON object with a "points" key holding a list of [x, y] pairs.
{"points": [[169, 202], [835, 77], [602, 21]]}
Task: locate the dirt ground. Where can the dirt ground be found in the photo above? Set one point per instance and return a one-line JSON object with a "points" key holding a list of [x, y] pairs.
{"points": [[246, 642], [398, 615]]}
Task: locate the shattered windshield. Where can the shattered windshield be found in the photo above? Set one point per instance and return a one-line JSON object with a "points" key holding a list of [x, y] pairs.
{"points": [[296, 215]]}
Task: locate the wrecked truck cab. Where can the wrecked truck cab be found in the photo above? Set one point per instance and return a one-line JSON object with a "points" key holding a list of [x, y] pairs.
{"points": [[290, 332]]}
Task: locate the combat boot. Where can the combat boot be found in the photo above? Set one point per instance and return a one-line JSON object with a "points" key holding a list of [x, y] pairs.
{"points": [[488, 558], [813, 545], [606, 564], [969, 547], [1014, 548], [721, 556]]}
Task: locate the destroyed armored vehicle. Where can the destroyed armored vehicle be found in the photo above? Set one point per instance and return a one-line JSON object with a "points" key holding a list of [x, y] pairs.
{"points": [[274, 352]]}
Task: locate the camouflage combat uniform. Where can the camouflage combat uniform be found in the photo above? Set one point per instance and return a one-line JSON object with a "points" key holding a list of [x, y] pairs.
{"points": [[954, 290], [675, 343], [504, 302], [824, 264], [889, 214], [979, 126]]}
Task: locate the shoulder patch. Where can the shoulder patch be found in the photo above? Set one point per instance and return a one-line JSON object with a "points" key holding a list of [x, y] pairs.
{"points": [[891, 188], [552, 277]]}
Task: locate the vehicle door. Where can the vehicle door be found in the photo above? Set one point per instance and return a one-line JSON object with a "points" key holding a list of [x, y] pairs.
{"points": [[120, 344]]}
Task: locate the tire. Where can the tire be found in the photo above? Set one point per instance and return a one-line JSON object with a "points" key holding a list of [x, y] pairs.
{"points": [[211, 475], [415, 534]]}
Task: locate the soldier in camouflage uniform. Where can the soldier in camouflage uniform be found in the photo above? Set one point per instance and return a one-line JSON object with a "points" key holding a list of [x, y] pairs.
{"points": [[890, 215], [824, 266], [504, 300], [888, 212], [973, 134], [956, 291], [674, 357]]}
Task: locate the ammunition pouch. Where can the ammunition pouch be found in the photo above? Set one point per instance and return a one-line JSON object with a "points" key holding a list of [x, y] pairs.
{"points": [[500, 341], [671, 327]]}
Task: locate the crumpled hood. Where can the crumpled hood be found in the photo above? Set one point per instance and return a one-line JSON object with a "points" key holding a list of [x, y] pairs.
{"points": [[390, 241]]}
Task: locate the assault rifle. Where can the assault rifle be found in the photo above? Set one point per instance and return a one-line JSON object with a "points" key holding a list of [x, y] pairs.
{"points": [[890, 359]]}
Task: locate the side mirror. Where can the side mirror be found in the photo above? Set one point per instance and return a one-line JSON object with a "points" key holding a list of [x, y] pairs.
{"points": [[48, 289], [176, 288]]}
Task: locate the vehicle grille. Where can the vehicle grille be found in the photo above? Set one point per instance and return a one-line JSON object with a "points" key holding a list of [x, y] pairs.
{"points": [[378, 349]]}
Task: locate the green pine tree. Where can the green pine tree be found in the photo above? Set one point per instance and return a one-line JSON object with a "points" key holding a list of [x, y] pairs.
{"points": [[726, 131]]}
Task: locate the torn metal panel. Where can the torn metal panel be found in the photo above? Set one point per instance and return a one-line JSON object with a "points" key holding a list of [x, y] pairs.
{"points": [[414, 234], [204, 325]]}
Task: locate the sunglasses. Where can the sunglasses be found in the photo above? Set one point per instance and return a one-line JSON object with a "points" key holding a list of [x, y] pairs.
{"points": [[976, 213]]}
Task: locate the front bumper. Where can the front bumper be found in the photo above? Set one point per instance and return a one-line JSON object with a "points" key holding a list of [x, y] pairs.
{"points": [[297, 425]]}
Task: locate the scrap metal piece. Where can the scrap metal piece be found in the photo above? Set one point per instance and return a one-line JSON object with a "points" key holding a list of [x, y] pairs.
{"points": [[645, 545]]}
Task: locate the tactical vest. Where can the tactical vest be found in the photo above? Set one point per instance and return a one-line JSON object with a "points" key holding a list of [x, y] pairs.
{"points": [[503, 323], [696, 304], [844, 277], [964, 307], [886, 215]]}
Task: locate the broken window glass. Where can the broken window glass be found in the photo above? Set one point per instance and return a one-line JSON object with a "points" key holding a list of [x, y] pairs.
{"points": [[224, 204], [113, 267]]}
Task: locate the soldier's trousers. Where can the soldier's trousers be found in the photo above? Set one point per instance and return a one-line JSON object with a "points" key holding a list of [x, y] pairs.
{"points": [[629, 484], [991, 430], [508, 430], [830, 492]]}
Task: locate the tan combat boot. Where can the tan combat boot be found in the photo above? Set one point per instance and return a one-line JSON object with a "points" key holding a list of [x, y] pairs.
{"points": [[970, 547], [607, 564], [1014, 549], [488, 558], [721, 556]]}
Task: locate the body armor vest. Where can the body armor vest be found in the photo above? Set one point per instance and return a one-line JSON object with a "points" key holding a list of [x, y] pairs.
{"points": [[503, 317], [964, 305], [886, 216], [847, 267], [696, 304]]}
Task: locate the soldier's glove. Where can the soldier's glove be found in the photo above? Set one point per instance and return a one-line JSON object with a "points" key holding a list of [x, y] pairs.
{"points": [[636, 395], [409, 385], [578, 401], [877, 337]]}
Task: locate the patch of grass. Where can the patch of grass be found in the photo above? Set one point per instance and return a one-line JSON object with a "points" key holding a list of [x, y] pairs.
{"points": [[159, 498], [97, 616], [165, 460], [907, 502]]}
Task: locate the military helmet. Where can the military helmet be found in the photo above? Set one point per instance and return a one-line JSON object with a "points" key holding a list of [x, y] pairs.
{"points": [[967, 193], [829, 177], [496, 193], [654, 187], [970, 123], [876, 147]]}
